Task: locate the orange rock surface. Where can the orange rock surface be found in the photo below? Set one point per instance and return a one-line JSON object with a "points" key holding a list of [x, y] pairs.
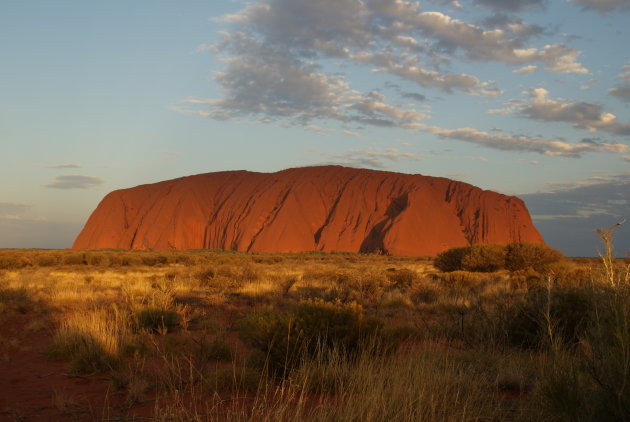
{"points": [[327, 208]]}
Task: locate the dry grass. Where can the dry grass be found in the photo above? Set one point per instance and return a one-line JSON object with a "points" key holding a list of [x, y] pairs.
{"points": [[165, 327]]}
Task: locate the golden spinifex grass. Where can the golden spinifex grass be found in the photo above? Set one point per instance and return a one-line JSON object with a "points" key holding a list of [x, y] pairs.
{"points": [[213, 335]]}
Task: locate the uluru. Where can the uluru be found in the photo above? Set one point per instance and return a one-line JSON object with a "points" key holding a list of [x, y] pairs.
{"points": [[323, 208]]}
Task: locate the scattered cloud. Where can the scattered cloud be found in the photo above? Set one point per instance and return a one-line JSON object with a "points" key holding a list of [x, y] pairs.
{"points": [[66, 166], [414, 96], [37, 233], [13, 208], [274, 51], [626, 158], [526, 70], [522, 143], [458, 176], [622, 92], [378, 158], [351, 133], [581, 114], [482, 159], [74, 182], [275, 86], [510, 5], [603, 6], [533, 162], [13, 211], [570, 213]]}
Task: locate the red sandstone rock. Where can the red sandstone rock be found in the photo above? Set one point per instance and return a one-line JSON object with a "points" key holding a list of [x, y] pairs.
{"points": [[327, 208]]}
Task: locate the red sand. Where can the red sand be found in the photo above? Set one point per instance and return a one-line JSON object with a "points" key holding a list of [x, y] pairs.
{"points": [[328, 208]]}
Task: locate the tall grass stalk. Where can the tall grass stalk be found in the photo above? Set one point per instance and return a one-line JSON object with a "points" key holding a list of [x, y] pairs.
{"points": [[93, 341]]}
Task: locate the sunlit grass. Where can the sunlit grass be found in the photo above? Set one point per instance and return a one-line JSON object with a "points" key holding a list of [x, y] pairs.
{"points": [[168, 326]]}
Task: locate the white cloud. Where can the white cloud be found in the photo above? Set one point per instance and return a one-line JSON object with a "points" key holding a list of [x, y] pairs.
{"points": [[351, 133], [410, 68], [74, 182], [482, 159], [66, 166], [622, 92], [379, 158], [526, 70], [604, 6], [276, 52], [11, 210], [504, 142], [570, 212], [261, 81], [510, 5], [581, 114], [394, 36]]}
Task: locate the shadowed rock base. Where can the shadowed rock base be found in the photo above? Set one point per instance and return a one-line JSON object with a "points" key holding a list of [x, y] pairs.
{"points": [[328, 208]]}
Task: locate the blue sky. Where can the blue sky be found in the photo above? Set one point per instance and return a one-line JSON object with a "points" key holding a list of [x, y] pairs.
{"points": [[525, 97]]}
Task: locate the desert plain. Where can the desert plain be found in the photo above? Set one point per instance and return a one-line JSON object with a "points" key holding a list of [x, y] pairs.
{"points": [[474, 334]]}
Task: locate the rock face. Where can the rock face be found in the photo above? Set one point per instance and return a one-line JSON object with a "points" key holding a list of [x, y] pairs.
{"points": [[328, 208]]}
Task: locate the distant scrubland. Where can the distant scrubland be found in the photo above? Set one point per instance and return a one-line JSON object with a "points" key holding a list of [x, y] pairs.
{"points": [[484, 333]]}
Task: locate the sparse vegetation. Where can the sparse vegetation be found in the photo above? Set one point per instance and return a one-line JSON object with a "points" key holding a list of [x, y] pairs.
{"points": [[486, 332]]}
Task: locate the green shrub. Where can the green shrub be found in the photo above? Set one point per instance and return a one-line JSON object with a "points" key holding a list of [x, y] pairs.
{"points": [[562, 313], [288, 337], [47, 259], [153, 259], [476, 258], [156, 319], [462, 279], [11, 262], [205, 275], [85, 354], [484, 258], [215, 349], [592, 384], [15, 300], [74, 259], [402, 279], [425, 294], [450, 259], [489, 258], [539, 257]]}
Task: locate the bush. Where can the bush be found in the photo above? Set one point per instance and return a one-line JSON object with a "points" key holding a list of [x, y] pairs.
{"points": [[484, 258], [156, 319], [539, 257], [402, 279], [476, 258], [15, 300], [565, 311], [93, 341], [74, 259], [288, 337], [451, 259], [592, 385], [462, 279], [489, 258], [47, 259]]}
